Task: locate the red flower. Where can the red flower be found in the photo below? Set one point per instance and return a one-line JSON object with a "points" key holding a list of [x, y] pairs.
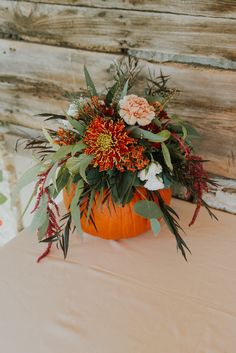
{"points": [[111, 146]]}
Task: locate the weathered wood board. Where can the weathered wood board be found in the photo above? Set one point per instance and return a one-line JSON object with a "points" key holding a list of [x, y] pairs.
{"points": [[154, 36], [35, 78], [210, 8]]}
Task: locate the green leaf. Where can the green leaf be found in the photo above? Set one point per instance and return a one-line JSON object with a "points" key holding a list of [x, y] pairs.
{"points": [[78, 125], [152, 99], [80, 165], [111, 93], [167, 181], [185, 132], [74, 206], [50, 140], [166, 155], [92, 194], [177, 119], [42, 229], [90, 85], [95, 177], [155, 225], [50, 174], [125, 90], [62, 179], [192, 133], [40, 214], [147, 209], [140, 133], [66, 237], [2, 198], [114, 192], [29, 201], [73, 165], [125, 185], [29, 176], [61, 153], [157, 122], [1, 176], [80, 146], [53, 191]]}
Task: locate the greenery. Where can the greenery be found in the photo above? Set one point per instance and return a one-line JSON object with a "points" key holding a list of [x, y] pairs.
{"points": [[98, 151]]}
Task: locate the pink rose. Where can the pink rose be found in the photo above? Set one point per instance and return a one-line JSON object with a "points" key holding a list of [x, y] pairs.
{"points": [[134, 109]]}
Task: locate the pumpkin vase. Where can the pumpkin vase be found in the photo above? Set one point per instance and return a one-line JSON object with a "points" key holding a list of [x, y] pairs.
{"points": [[115, 222]]}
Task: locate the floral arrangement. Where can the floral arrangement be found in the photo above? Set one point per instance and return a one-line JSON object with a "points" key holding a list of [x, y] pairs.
{"points": [[111, 146]]}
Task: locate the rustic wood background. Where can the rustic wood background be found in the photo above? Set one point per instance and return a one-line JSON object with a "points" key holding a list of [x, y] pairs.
{"points": [[44, 44]]}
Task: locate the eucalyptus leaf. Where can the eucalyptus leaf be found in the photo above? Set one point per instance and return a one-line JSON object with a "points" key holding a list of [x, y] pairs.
{"points": [[66, 237], [91, 199], [166, 155], [157, 122], [111, 93], [167, 181], [50, 140], [94, 176], [192, 133], [177, 119], [2, 198], [50, 175], [42, 229], [29, 176], [80, 146], [62, 179], [125, 90], [61, 153], [185, 132], [147, 209], [40, 214], [78, 125], [125, 186], [74, 206], [72, 165], [155, 225], [29, 202], [159, 137], [85, 160], [79, 164], [90, 85], [152, 99]]}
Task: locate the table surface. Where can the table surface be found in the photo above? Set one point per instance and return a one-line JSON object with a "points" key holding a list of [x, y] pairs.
{"points": [[132, 296]]}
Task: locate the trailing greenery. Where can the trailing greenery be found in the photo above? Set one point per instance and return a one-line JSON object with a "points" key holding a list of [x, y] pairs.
{"points": [[114, 145]]}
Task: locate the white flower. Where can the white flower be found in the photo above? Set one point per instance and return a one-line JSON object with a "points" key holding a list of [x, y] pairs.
{"points": [[152, 169], [73, 110], [154, 183], [150, 175]]}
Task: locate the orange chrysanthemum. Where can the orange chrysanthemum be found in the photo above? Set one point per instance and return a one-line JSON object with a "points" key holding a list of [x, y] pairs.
{"points": [[111, 146]]}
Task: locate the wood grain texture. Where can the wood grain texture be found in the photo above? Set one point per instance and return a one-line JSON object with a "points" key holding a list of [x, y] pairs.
{"points": [[210, 8], [153, 36], [35, 78]]}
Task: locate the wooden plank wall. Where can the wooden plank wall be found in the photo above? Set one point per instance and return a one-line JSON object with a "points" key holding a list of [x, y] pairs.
{"points": [[45, 43]]}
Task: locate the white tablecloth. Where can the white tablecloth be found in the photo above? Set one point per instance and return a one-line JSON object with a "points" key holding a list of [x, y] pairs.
{"points": [[132, 296]]}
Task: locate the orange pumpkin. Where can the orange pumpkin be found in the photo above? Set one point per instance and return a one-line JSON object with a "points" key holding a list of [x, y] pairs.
{"points": [[115, 222]]}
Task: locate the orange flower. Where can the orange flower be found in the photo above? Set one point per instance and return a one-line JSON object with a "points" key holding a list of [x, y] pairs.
{"points": [[111, 146], [64, 137], [134, 109]]}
